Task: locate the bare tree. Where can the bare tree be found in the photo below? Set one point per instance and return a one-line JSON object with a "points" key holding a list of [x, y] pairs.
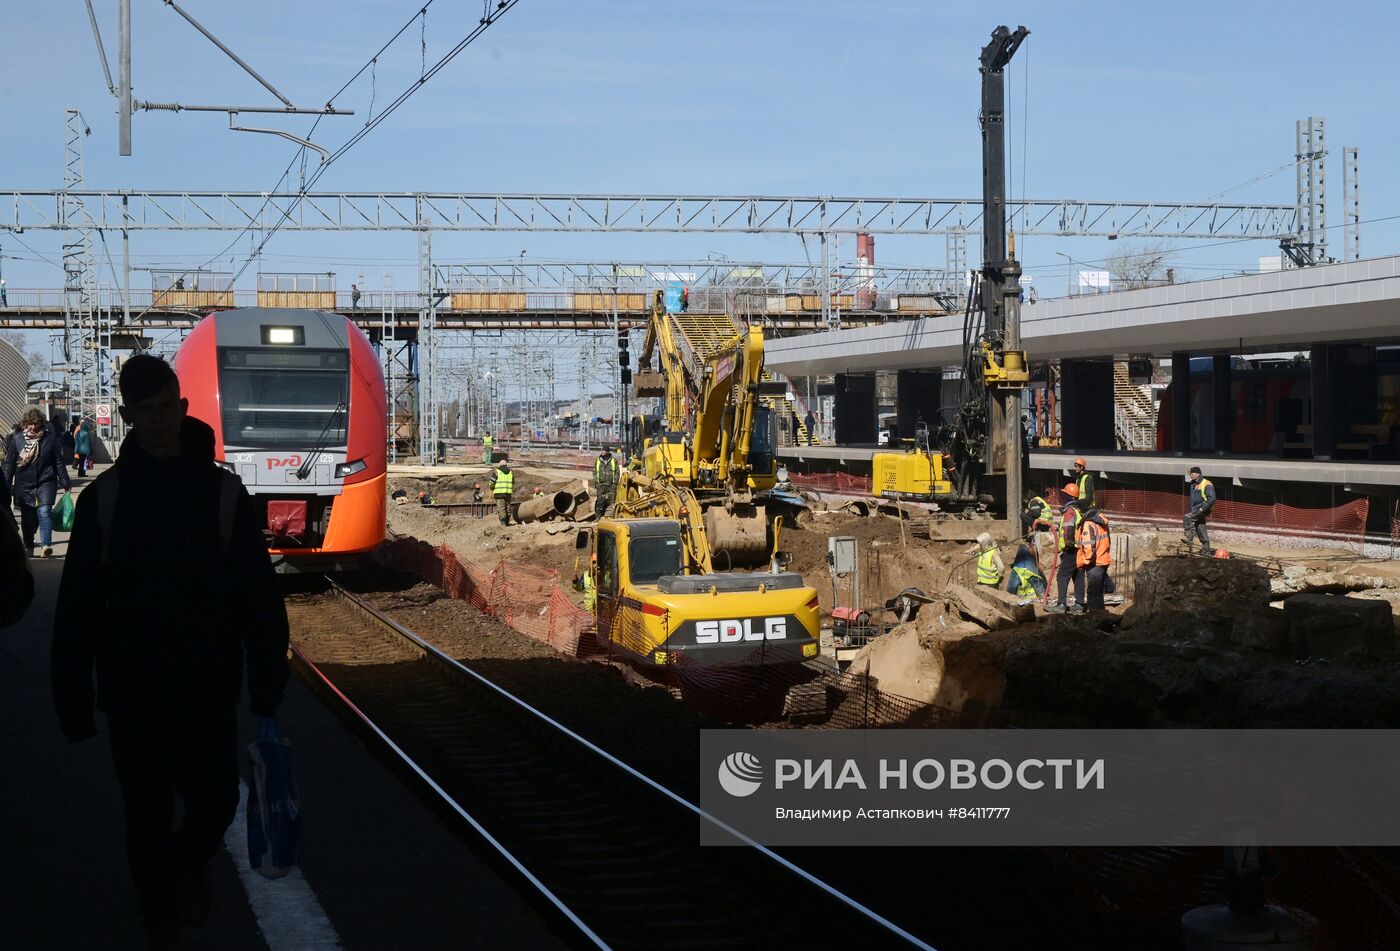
{"points": [[38, 364], [1139, 266]]}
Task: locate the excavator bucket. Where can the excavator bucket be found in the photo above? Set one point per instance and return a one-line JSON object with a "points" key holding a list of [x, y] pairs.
{"points": [[742, 536], [650, 384]]}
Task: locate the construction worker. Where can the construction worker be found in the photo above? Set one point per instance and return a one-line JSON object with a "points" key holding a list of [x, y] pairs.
{"points": [[1084, 486], [989, 564], [1193, 526], [502, 488], [590, 582], [605, 481], [1068, 546], [486, 443], [1095, 542], [1037, 515], [1026, 581]]}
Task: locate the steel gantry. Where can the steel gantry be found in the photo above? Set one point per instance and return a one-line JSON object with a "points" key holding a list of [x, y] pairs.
{"points": [[150, 210]]}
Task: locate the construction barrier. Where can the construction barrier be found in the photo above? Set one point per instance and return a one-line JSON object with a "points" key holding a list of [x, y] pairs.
{"points": [[530, 600], [832, 482], [1344, 898]]}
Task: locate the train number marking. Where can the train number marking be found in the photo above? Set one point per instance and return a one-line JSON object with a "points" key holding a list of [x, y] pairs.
{"points": [[242, 457]]}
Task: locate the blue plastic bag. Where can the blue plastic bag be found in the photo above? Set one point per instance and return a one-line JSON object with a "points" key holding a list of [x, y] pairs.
{"points": [[274, 814]]}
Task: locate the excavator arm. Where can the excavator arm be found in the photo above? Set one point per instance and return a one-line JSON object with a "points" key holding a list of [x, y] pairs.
{"points": [[640, 496], [670, 380]]}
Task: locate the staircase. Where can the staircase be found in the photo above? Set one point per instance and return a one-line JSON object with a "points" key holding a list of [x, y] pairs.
{"points": [[1134, 416]]}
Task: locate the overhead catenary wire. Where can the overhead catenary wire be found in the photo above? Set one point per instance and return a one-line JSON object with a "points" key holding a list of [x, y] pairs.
{"points": [[487, 21]]}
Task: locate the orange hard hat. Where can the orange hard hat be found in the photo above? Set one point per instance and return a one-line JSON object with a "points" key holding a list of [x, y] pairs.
{"points": [[1221, 553], [1080, 462], [1071, 490]]}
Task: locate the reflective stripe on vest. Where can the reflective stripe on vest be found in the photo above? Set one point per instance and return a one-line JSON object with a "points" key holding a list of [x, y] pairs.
{"points": [[1094, 545], [505, 483], [986, 569], [1073, 517], [611, 468], [1025, 589]]}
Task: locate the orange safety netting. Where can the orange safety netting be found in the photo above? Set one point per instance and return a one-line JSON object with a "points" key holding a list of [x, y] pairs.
{"points": [[524, 597], [1342, 898], [1344, 522], [832, 482]]}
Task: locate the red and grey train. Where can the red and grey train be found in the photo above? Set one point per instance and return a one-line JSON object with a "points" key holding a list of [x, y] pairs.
{"points": [[296, 400]]}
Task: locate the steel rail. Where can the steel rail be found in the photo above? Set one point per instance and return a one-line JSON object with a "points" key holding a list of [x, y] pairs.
{"points": [[561, 730]]}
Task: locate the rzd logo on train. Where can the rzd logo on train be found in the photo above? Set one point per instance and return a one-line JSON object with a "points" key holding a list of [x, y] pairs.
{"points": [[292, 460], [749, 629]]}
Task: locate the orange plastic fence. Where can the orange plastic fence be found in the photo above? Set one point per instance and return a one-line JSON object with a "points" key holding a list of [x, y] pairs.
{"points": [[832, 482], [1345, 522], [1346, 898]]}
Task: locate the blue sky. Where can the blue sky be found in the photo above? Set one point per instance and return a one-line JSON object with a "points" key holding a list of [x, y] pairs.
{"points": [[1110, 100]]}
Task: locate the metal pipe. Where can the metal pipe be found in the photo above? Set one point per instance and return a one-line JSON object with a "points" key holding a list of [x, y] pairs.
{"points": [[231, 54], [126, 264], [327, 110], [124, 77], [101, 53]]}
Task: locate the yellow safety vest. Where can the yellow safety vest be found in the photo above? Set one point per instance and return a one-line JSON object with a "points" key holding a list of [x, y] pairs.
{"points": [[1025, 589], [1077, 517], [590, 594], [487, 441], [1085, 496], [505, 483], [986, 568], [599, 468]]}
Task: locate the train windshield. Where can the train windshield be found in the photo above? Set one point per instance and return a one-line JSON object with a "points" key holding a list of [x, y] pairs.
{"points": [[284, 399]]}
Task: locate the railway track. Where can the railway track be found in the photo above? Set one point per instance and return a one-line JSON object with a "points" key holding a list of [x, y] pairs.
{"points": [[615, 853]]}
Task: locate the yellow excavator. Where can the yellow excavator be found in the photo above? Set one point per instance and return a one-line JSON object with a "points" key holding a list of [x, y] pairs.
{"points": [[660, 603], [715, 435]]}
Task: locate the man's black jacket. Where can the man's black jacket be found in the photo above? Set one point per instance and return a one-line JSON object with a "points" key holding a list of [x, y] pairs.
{"points": [[169, 606]]}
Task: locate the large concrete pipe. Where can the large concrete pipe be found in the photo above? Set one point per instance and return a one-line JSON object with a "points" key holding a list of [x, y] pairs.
{"points": [[546, 506]]}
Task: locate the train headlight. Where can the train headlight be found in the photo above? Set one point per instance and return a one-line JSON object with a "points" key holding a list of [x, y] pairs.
{"points": [[349, 468]]}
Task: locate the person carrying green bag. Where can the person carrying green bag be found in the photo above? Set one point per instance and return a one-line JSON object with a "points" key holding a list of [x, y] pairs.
{"points": [[63, 513]]}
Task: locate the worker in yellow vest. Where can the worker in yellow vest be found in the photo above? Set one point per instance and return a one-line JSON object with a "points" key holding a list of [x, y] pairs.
{"points": [[1084, 487], [486, 443], [990, 567], [1067, 544], [502, 488], [590, 583]]}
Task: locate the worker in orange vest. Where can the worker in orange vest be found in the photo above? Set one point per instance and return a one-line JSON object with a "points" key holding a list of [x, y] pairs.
{"points": [[1067, 545], [1094, 557]]}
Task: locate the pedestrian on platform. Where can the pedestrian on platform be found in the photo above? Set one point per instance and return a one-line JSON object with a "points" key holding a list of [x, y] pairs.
{"points": [[1084, 485], [354, 297], [1067, 544], [486, 443], [605, 482], [36, 475], [1095, 543], [811, 423], [990, 567], [502, 488], [167, 593], [4, 298]]}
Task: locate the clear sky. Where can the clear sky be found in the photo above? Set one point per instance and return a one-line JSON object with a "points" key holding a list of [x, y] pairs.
{"points": [[1108, 100]]}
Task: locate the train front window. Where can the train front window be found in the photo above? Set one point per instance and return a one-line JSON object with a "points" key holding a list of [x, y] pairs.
{"points": [[283, 399], [654, 556]]}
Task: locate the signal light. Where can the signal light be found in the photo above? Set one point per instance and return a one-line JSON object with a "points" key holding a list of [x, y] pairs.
{"points": [[624, 358], [626, 377]]}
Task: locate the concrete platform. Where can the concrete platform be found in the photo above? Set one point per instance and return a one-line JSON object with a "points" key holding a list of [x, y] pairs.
{"points": [[387, 873], [1357, 476]]}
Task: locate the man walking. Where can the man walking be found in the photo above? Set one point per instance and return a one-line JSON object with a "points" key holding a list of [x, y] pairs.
{"points": [[1084, 485], [1067, 544], [1095, 544], [167, 593], [605, 481], [502, 488], [811, 423], [1202, 501], [354, 297]]}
